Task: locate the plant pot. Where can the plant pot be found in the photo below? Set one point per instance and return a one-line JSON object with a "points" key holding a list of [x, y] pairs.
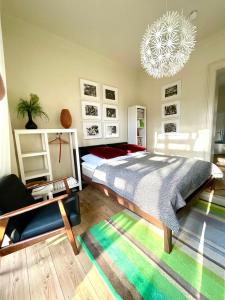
{"points": [[30, 124], [65, 118]]}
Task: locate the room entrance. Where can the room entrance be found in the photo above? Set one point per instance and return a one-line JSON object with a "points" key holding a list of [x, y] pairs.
{"points": [[218, 140]]}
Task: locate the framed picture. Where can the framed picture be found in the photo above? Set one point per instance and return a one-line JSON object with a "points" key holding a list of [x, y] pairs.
{"points": [[91, 110], [92, 130], [110, 94], [111, 130], [110, 112], [170, 126], [89, 90], [171, 91], [171, 109]]}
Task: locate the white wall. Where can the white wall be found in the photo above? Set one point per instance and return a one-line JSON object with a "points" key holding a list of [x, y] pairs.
{"points": [[5, 164], [40, 62], [194, 123]]}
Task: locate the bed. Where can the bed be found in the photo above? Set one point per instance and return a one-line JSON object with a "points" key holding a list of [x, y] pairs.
{"points": [[126, 180]]}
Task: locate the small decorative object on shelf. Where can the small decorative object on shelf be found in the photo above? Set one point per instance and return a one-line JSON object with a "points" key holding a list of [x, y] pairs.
{"points": [[66, 118], [32, 109]]}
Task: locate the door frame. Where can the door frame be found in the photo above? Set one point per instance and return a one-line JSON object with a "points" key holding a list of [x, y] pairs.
{"points": [[212, 102]]}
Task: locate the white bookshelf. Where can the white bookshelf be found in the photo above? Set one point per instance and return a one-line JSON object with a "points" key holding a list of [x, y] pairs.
{"points": [[46, 170], [137, 125]]}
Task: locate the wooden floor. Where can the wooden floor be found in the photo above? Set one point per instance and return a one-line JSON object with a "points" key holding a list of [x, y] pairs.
{"points": [[50, 270]]}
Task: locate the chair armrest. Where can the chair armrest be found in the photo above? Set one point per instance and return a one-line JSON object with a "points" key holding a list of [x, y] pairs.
{"points": [[32, 206], [36, 185]]}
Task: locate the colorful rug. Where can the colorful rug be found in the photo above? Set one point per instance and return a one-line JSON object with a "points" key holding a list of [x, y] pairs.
{"points": [[128, 253]]}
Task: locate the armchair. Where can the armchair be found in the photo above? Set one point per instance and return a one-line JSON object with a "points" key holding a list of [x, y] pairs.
{"points": [[27, 221]]}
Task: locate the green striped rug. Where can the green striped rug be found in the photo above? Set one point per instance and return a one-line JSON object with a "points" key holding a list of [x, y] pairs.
{"points": [[127, 252]]}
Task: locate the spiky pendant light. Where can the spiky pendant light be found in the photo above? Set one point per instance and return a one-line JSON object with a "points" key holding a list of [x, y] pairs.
{"points": [[167, 45]]}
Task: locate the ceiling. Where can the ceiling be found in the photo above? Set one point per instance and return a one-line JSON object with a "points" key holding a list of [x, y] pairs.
{"points": [[113, 28]]}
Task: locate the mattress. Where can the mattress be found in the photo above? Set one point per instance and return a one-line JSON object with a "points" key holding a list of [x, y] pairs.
{"points": [[88, 169]]}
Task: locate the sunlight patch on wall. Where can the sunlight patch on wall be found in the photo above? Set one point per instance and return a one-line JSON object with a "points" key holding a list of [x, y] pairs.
{"points": [[201, 142], [193, 144], [175, 146]]}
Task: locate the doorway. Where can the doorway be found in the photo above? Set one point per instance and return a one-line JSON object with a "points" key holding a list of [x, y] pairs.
{"points": [[218, 140]]}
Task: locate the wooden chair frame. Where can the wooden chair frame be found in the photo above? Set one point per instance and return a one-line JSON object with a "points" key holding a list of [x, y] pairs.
{"points": [[4, 219]]}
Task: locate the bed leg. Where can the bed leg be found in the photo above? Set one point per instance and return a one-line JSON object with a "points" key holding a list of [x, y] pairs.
{"points": [[167, 239], [213, 186]]}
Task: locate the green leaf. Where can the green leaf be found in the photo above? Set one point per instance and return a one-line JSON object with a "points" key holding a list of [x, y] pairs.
{"points": [[32, 106]]}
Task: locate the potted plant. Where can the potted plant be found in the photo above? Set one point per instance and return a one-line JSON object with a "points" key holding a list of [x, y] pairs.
{"points": [[32, 109]]}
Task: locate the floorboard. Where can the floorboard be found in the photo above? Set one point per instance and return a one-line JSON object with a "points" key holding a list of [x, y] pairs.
{"points": [[43, 279], [14, 277]]}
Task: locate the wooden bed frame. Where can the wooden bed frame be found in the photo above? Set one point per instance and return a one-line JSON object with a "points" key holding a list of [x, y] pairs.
{"points": [[134, 208]]}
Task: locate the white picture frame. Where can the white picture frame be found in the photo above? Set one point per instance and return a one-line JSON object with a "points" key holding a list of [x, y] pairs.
{"points": [[110, 94], [91, 110], [89, 90], [92, 130], [171, 109], [171, 91], [170, 126], [111, 130], [110, 112]]}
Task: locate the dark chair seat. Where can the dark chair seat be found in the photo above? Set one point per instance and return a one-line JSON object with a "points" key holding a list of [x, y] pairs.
{"points": [[48, 218]]}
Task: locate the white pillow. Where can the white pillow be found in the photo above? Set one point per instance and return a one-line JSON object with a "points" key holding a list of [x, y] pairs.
{"points": [[93, 159]]}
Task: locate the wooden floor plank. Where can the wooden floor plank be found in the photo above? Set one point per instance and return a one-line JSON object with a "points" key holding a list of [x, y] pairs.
{"points": [[44, 283], [94, 277], [14, 283], [73, 280]]}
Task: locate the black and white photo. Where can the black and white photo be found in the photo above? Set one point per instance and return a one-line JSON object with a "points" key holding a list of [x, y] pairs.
{"points": [[91, 110], [110, 112], [110, 94], [171, 126], [111, 130], [92, 130], [171, 109], [171, 91], [89, 90]]}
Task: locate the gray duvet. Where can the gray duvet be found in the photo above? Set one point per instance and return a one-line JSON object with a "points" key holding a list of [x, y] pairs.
{"points": [[157, 184]]}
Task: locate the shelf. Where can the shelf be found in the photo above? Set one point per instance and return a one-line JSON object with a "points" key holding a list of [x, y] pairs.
{"points": [[36, 174], [55, 190], [32, 154], [39, 131]]}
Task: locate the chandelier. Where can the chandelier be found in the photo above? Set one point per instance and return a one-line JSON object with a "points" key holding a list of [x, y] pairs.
{"points": [[167, 44]]}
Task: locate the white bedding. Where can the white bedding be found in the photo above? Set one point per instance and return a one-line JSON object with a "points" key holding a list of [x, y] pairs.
{"points": [[88, 169]]}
